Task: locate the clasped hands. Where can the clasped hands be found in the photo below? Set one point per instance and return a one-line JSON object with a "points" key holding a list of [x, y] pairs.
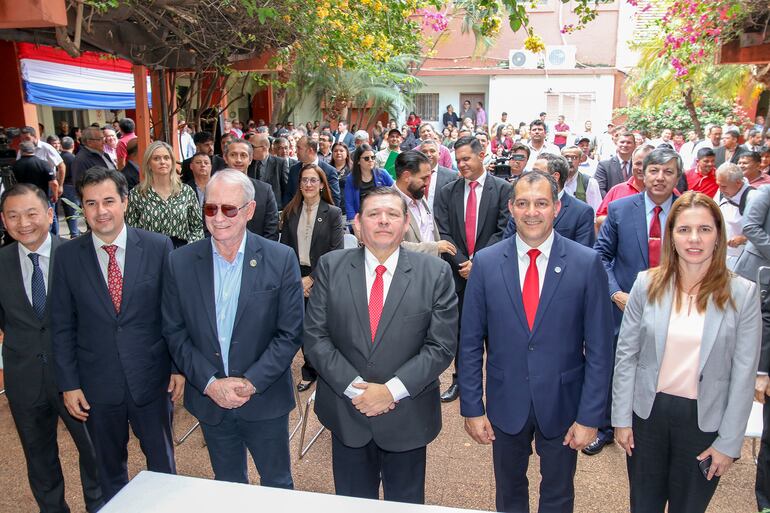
{"points": [[480, 429], [376, 399], [230, 392]]}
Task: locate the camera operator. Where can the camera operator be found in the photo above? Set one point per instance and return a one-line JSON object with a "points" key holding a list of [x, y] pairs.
{"points": [[509, 165]]}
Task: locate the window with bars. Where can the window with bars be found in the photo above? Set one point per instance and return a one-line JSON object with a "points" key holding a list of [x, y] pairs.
{"points": [[577, 108], [426, 106]]}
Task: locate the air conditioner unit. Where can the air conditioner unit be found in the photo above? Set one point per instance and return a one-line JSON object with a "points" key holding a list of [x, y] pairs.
{"points": [[522, 59], [560, 57]]}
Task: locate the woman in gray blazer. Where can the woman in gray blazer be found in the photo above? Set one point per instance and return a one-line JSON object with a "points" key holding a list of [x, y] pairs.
{"points": [[685, 365]]}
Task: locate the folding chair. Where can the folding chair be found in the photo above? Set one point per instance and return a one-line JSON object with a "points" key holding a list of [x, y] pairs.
{"points": [[302, 449], [754, 428]]}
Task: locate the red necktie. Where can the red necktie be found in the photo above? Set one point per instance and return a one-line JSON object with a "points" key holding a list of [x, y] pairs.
{"points": [[653, 244], [114, 277], [375, 300], [625, 170], [470, 218], [531, 291]]}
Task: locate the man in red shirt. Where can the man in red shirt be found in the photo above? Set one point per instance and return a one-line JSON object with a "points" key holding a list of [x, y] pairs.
{"points": [[561, 133], [702, 178], [633, 185], [127, 127]]}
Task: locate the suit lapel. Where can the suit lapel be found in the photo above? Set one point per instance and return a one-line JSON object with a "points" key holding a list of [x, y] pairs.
{"points": [[204, 270], [458, 193], [357, 283], [509, 268], [318, 222], [661, 316], [252, 258], [396, 292], [618, 169], [640, 219], [134, 252], [93, 271], [16, 279], [486, 198], [557, 266], [565, 203], [713, 321]]}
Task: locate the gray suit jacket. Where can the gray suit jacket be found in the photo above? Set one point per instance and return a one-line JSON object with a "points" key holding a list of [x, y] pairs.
{"points": [[445, 176], [756, 227], [26, 336], [728, 361], [609, 173], [413, 239], [415, 342]]}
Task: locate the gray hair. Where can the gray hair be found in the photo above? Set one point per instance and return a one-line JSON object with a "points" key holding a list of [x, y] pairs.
{"points": [[231, 176], [67, 142], [361, 135], [662, 156], [92, 133], [27, 148], [431, 142], [733, 172], [534, 176]]}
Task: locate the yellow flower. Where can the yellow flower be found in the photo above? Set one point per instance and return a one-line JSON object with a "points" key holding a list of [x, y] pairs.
{"points": [[340, 62], [368, 41], [322, 12], [534, 43]]}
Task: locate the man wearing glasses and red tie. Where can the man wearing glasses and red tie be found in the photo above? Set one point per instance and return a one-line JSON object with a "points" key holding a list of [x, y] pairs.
{"points": [[232, 315]]}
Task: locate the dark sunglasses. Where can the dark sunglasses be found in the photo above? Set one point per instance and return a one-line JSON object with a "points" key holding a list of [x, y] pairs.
{"points": [[368, 158], [210, 209], [518, 158]]}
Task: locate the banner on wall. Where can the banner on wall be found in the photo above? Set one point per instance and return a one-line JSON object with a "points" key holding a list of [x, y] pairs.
{"points": [[91, 81]]}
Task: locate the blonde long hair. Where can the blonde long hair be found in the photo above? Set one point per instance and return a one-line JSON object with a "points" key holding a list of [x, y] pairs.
{"points": [[716, 283], [148, 178]]}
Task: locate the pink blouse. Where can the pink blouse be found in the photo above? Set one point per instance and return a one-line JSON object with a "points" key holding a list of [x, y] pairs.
{"points": [[681, 358]]}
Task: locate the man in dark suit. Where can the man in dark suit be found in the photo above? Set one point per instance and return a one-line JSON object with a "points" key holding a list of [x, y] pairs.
{"points": [[307, 151], [131, 169], [264, 222], [469, 222], [342, 135], [730, 151], [575, 220], [547, 330], [204, 143], [232, 315], [439, 176], [112, 363], [268, 168], [379, 365], [91, 153], [630, 241], [34, 399], [617, 169]]}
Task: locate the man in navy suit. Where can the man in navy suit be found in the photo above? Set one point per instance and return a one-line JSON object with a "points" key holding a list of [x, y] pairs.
{"points": [[112, 363], [307, 152], [576, 218], [540, 302], [232, 315], [342, 135], [633, 227]]}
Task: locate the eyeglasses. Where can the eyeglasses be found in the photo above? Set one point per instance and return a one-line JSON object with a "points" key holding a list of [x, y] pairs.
{"points": [[368, 158], [211, 209], [310, 181], [571, 157], [518, 157]]}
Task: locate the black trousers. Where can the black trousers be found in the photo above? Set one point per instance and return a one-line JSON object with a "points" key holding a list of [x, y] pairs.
{"points": [[762, 484], [36, 424], [359, 471], [151, 423], [663, 468], [605, 430], [510, 456], [460, 298], [308, 372]]}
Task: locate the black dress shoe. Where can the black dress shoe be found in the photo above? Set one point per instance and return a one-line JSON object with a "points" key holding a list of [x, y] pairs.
{"points": [[596, 446], [452, 393], [302, 386]]}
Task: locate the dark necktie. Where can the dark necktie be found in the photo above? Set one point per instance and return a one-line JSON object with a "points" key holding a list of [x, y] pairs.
{"points": [[470, 219], [376, 300], [625, 170], [258, 172], [530, 293], [38, 286], [114, 277], [653, 243]]}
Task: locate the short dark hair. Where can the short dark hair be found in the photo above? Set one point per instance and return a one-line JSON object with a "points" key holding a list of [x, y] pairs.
{"points": [[20, 189], [532, 177], [471, 141], [200, 154], [383, 191], [132, 147], [764, 149], [753, 155], [127, 125], [537, 122], [97, 175], [520, 147], [732, 133], [410, 161], [52, 139], [28, 130], [704, 153], [660, 156], [556, 164], [202, 137]]}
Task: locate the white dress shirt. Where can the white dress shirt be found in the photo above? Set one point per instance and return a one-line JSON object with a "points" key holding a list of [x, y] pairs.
{"points": [[432, 188], [593, 194], [541, 262], [479, 188], [734, 219], [534, 153], [418, 209], [396, 387], [27, 268], [120, 255]]}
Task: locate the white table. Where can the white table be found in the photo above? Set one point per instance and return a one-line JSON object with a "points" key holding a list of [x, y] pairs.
{"points": [[152, 492]]}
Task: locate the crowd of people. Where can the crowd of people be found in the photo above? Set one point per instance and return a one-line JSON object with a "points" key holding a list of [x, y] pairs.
{"points": [[587, 289]]}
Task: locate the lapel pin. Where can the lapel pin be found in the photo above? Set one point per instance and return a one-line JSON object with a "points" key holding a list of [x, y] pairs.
{"points": [[320, 220], [253, 263], [557, 270]]}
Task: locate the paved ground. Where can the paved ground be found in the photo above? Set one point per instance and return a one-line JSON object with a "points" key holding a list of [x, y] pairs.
{"points": [[459, 471]]}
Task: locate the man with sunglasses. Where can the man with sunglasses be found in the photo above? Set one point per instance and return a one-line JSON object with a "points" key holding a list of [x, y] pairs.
{"points": [[518, 159], [238, 155], [232, 314]]}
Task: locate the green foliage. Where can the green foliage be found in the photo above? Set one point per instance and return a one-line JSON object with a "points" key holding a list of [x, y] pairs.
{"points": [[673, 114]]}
